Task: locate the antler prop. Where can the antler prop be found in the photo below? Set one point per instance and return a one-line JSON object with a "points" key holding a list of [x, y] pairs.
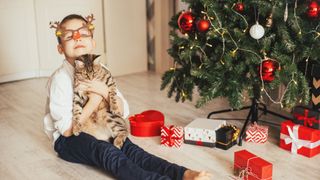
{"points": [[90, 18], [56, 25]]}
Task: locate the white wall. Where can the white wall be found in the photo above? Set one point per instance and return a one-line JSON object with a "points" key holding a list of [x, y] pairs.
{"points": [[28, 45], [18, 45], [48, 10], [126, 36]]}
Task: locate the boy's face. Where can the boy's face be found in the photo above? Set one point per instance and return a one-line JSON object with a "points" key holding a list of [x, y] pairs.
{"points": [[76, 40]]}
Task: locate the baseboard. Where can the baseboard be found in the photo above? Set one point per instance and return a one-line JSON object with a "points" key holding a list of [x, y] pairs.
{"points": [[18, 76]]}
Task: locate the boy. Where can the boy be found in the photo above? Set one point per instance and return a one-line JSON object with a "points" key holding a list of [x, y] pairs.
{"points": [[75, 37]]}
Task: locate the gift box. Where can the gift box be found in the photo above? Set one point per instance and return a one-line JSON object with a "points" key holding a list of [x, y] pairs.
{"points": [[248, 166], [202, 132], [171, 136], [315, 71], [299, 139], [306, 116], [147, 123], [227, 136], [257, 133], [315, 86]]}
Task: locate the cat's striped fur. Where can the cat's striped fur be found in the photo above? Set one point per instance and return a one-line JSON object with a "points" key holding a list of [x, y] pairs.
{"points": [[106, 122]]}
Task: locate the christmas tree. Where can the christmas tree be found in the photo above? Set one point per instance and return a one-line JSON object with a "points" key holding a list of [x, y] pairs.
{"points": [[242, 48]]}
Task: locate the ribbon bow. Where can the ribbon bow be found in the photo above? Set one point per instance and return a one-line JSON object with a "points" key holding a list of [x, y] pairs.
{"points": [[308, 121], [247, 171], [169, 135], [294, 139]]}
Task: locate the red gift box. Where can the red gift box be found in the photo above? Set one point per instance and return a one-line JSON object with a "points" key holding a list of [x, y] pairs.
{"points": [[299, 139], [171, 136], [257, 133], [147, 123], [251, 167], [307, 117]]}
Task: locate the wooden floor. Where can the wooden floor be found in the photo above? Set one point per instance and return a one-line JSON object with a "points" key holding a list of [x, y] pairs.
{"points": [[26, 152]]}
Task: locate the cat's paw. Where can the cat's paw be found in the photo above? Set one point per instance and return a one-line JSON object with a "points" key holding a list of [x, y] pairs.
{"points": [[118, 141]]}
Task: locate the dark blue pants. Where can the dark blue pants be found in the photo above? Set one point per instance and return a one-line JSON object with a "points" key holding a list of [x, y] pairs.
{"points": [[129, 163]]}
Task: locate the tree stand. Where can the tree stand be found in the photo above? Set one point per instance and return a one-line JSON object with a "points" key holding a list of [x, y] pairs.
{"points": [[253, 113]]}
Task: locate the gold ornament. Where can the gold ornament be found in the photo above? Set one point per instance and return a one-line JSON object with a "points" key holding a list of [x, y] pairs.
{"points": [[91, 27], [58, 33]]}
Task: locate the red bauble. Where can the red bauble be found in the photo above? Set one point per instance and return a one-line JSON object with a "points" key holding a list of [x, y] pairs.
{"points": [[239, 7], [269, 67], [186, 21], [313, 10], [203, 25]]}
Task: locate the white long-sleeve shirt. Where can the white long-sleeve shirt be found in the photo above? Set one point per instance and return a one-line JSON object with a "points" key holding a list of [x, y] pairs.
{"points": [[58, 117]]}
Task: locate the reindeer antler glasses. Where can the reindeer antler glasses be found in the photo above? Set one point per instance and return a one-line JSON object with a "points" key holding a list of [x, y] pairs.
{"points": [[69, 34]]}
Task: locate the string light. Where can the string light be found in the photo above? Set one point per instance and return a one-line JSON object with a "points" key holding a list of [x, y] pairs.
{"points": [[264, 54], [318, 35], [295, 16], [244, 19], [286, 89], [233, 53], [184, 95], [222, 32]]}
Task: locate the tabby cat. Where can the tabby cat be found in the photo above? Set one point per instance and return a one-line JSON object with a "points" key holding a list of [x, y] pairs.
{"points": [[106, 122]]}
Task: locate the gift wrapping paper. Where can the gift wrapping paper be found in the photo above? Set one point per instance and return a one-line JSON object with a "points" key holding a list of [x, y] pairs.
{"points": [[248, 166], [171, 136], [257, 133], [299, 139], [202, 131]]}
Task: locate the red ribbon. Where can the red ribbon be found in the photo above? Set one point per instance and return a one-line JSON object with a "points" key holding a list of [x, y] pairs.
{"points": [[199, 143], [307, 120], [169, 138]]}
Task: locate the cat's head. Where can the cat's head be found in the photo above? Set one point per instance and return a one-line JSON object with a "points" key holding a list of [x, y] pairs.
{"points": [[86, 65]]}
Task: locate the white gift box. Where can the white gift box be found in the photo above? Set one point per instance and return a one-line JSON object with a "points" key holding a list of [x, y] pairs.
{"points": [[202, 131]]}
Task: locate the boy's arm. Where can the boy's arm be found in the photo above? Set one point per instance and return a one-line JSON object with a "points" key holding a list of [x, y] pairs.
{"points": [[92, 104], [61, 104], [101, 88]]}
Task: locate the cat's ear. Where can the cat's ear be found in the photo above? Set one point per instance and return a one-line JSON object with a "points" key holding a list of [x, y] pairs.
{"points": [[95, 59], [79, 63]]}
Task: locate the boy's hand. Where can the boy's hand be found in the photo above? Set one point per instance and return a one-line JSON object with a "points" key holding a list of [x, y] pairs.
{"points": [[92, 104], [94, 98], [97, 87]]}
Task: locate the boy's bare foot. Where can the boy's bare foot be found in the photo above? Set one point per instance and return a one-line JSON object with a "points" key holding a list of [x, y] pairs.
{"points": [[195, 175]]}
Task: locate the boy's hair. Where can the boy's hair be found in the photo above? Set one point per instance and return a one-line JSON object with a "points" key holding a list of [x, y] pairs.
{"points": [[70, 17]]}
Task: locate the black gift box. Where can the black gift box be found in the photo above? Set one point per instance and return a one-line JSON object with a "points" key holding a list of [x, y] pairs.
{"points": [[226, 137], [315, 71], [308, 67], [315, 89], [306, 116]]}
